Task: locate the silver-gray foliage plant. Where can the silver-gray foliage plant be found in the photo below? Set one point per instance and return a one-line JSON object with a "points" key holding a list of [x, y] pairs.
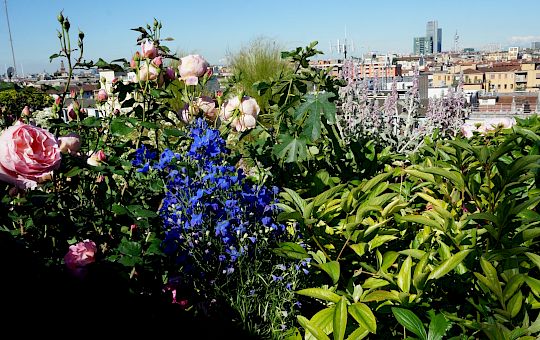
{"points": [[396, 125]]}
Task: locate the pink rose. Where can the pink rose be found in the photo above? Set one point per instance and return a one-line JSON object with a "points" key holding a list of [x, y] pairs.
{"points": [[246, 110], [28, 155], [102, 95], [191, 68], [228, 109], [96, 158], [80, 255], [148, 72], [157, 61], [70, 143], [208, 107], [148, 49]]}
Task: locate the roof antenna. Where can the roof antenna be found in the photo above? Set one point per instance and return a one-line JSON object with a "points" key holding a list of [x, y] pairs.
{"points": [[10, 38]]}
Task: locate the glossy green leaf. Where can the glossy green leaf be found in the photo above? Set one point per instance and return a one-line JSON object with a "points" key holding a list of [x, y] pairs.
{"points": [[340, 319], [420, 220], [448, 265], [332, 269], [492, 277], [379, 240], [535, 258], [373, 283], [364, 316], [381, 295], [513, 285], [323, 319], [410, 321], [534, 284], [438, 327], [320, 293], [404, 275], [290, 149], [314, 330], [514, 304], [358, 334]]}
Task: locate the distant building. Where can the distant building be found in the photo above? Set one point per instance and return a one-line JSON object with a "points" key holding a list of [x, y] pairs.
{"points": [[535, 45], [431, 43]]}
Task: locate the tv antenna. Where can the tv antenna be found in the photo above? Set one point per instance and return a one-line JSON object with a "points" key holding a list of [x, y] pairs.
{"points": [[342, 46], [10, 38], [456, 42]]}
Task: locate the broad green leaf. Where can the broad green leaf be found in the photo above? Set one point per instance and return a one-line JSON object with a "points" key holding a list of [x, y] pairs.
{"points": [[380, 295], [513, 285], [326, 195], [520, 207], [414, 253], [421, 174], [73, 172], [438, 327], [379, 240], [388, 259], [119, 127], [410, 321], [290, 149], [404, 276], [323, 319], [492, 277], [419, 276], [534, 284], [530, 234], [369, 184], [535, 258], [446, 266], [312, 110], [291, 196], [364, 316], [359, 248], [314, 330], [420, 220], [454, 176], [320, 293], [373, 282], [118, 209], [292, 250], [358, 334], [340, 319], [523, 164], [332, 269], [514, 304]]}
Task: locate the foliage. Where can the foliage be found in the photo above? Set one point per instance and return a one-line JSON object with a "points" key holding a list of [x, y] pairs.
{"points": [[13, 101], [260, 60]]}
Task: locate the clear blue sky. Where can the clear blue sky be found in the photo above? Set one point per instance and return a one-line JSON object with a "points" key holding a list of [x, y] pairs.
{"points": [[212, 28]]}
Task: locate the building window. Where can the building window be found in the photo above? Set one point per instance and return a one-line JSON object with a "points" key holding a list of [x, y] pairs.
{"points": [[491, 76], [505, 76], [499, 86], [505, 86], [538, 76], [511, 86], [499, 76]]}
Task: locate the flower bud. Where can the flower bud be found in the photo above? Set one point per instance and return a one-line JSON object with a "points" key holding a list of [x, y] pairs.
{"points": [[26, 111], [102, 95], [157, 61], [60, 18], [66, 24], [81, 35], [170, 73], [71, 143]]}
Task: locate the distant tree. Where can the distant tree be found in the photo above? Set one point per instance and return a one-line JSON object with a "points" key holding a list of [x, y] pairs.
{"points": [[14, 99]]}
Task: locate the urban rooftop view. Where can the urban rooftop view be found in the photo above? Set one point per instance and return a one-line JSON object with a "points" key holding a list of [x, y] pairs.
{"points": [[270, 170]]}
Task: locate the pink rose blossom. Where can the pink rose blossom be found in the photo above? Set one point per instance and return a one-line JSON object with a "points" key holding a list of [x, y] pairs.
{"points": [[28, 155], [228, 109], [191, 68], [80, 255], [157, 61], [70, 143], [102, 95], [148, 72], [148, 49], [207, 106], [96, 158]]}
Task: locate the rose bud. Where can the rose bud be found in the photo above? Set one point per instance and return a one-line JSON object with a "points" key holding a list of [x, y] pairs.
{"points": [[26, 111], [102, 95], [70, 143]]}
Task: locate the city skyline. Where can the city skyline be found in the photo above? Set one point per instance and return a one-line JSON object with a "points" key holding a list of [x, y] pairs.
{"points": [[219, 27]]}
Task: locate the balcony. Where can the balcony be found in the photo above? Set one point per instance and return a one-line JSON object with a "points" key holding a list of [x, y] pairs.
{"points": [[521, 78]]}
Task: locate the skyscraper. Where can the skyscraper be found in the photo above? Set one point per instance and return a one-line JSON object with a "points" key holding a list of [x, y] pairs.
{"points": [[434, 33], [422, 45]]}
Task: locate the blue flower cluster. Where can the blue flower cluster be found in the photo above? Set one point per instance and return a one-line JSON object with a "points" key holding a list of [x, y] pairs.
{"points": [[212, 215]]}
